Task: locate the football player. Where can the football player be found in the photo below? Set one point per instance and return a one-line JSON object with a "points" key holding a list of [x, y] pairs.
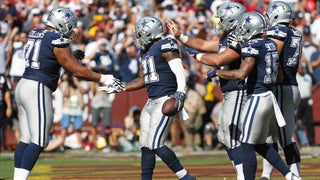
{"points": [[289, 41], [260, 69], [46, 51], [163, 75], [224, 55]]}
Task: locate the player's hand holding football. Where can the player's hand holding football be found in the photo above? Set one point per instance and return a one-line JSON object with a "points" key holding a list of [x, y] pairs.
{"points": [[180, 97], [234, 42], [211, 74]]}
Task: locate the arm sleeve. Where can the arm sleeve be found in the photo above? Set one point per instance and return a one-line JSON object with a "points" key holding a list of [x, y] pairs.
{"points": [[177, 69]]}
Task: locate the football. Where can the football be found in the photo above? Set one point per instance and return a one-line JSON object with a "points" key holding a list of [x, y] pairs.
{"points": [[169, 108]]}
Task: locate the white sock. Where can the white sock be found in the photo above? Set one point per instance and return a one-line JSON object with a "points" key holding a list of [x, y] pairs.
{"points": [[181, 173], [295, 168], [267, 169], [20, 174], [288, 176], [239, 169]]}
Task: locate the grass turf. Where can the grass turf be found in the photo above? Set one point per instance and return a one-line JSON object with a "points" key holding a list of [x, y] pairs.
{"points": [[74, 165]]}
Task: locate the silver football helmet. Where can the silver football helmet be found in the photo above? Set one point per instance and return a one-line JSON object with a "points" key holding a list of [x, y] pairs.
{"points": [[63, 20], [146, 30], [228, 13], [250, 24], [278, 12]]}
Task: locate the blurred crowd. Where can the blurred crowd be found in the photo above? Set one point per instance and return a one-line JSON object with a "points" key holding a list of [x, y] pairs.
{"points": [[105, 34]]}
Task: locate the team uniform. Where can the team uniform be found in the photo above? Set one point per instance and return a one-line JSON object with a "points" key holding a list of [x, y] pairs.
{"points": [[258, 117], [33, 95], [40, 79], [160, 82], [287, 93], [234, 98], [259, 109]]}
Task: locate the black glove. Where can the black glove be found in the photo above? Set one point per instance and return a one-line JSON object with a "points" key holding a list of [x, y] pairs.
{"points": [[211, 74], [234, 42], [179, 96], [192, 52], [78, 54]]}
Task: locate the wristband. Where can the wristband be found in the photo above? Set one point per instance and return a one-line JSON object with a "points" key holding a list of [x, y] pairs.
{"points": [[103, 78], [199, 56], [183, 38]]}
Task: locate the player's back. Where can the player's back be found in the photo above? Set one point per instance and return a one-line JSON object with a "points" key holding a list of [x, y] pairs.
{"points": [[41, 63], [291, 51], [262, 78], [158, 77]]}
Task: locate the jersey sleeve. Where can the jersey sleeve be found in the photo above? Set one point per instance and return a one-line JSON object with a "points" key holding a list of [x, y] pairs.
{"points": [[59, 40], [169, 45], [278, 32], [250, 49]]}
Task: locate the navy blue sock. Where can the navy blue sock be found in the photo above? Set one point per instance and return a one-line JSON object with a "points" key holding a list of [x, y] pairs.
{"points": [[229, 154], [292, 153], [30, 156], [169, 157], [236, 154], [148, 162], [270, 154], [249, 161], [18, 154]]}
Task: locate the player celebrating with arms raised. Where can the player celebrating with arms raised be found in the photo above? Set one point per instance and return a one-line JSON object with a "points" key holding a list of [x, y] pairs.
{"points": [[163, 76], [260, 69], [45, 52], [223, 55]]}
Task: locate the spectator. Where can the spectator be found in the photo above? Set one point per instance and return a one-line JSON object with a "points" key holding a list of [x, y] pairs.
{"points": [[129, 140], [101, 104], [34, 20], [4, 41], [211, 129], [16, 64], [129, 62], [305, 111], [102, 59], [315, 64], [5, 109], [72, 108], [194, 105]]}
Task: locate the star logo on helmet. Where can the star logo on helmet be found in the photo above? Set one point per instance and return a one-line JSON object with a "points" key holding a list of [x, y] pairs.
{"points": [[68, 15], [144, 22], [248, 19], [274, 6], [228, 8]]}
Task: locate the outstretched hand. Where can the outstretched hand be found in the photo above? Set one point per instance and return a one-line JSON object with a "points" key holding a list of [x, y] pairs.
{"points": [[173, 27], [78, 54], [115, 87]]}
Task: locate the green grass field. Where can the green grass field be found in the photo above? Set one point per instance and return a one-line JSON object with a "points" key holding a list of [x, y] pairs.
{"points": [[74, 165]]}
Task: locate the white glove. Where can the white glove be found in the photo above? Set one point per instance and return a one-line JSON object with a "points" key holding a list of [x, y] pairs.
{"points": [[116, 87], [107, 79]]}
